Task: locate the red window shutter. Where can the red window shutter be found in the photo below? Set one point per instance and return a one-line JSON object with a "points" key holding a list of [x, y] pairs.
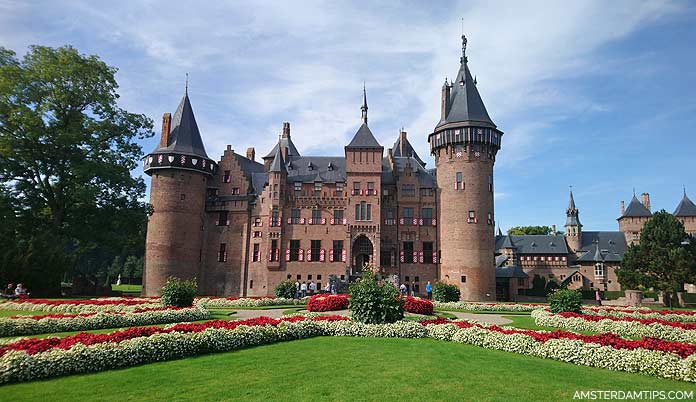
{"points": [[375, 192], [343, 255], [434, 222], [302, 221], [331, 221], [401, 257], [401, 221], [420, 221], [270, 255], [287, 255], [322, 255], [345, 221], [301, 257], [434, 257], [331, 255], [289, 221], [420, 257], [323, 221], [415, 256]]}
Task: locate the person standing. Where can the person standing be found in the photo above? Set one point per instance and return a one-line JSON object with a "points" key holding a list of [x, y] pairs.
{"points": [[598, 297], [297, 289], [413, 289], [402, 289], [312, 288], [327, 288], [303, 289], [429, 290]]}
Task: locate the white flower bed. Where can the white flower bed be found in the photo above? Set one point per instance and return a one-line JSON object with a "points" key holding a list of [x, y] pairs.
{"points": [[249, 302], [74, 308], [614, 312], [18, 366], [461, 305], [631, 329], [29, 326]]}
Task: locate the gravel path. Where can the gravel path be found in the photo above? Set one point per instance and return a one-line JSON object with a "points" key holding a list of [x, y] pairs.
{"points": [[488, 318]]}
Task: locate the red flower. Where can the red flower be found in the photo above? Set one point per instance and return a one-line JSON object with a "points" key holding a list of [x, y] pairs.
{"points": [[324, 302], [418, 306]]}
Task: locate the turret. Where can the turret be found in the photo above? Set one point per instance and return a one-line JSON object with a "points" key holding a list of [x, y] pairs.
{"points": [[465, 143], [573, 227], [180, 169], [632, 219]]}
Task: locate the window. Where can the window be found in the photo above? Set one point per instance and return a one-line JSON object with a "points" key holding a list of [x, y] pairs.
{"points": [[319, 277], [408, 216], [316, 216], [385, 258], [426, 192], [235, 190], [337, 250], [427, 215], [338, 216], [275, 218], [274, 251], [316, 250], [427, 252], [317, 189], [407, 278], [183, 197], [463, 278], [226, 177], [222, 219], [295, 216], [251, 284], [363, 211], [256, 256], [408, 190], [299, 277], [490, 218], [222, 253], [459, 183], [490, 183], [408, 252], [370, 188], [298, 189], [294, 250], [343, 277], [520, 281], [289, 276], [339, 189], [356, 187], [309, 277], [599, 270], [257, 222], [472, 217]]}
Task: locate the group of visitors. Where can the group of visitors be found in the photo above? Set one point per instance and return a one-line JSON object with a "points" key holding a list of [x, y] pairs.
{"points": [[406, 290], [305, 289], [12, 292]]}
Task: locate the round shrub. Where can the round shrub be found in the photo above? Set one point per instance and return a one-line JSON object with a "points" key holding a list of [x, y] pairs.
{"points": [[327, 302], [374, 302], [417, 305], [444, 292], [565, 301], [285, 289], [179, 293]]}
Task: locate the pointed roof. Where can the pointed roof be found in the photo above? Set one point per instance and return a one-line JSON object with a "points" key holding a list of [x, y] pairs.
{"points": [[636, 209], [500, 232], [184, 137], [465, 103], [572, 213], [278, 164], [507, 243], [364, 138], [405, 150], [685, 208]]}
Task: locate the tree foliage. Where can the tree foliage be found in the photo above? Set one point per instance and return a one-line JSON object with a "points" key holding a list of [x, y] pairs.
{"points": [[664, 259], [530, 230], [446, 292], [66, 155]]}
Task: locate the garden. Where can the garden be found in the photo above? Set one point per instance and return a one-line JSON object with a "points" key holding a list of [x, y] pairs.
{"points": [[71, 343]]}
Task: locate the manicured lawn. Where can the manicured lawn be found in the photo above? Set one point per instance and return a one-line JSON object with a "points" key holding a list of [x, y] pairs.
{"points": [[343, 369], [10, 313], [127, 288]]}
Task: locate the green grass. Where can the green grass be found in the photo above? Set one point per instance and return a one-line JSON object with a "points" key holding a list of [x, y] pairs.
{"points": [[10, 313], [343, 369], [487, 311], [127, 288], [527, 322]]}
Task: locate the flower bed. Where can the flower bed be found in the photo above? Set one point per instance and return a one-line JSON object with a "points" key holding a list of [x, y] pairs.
{"points": [[40, 358], [327, 302], [469, 306], [39, 324], [667, 315], [78, 306], [232, 302], [624, 326], [417, 305]]}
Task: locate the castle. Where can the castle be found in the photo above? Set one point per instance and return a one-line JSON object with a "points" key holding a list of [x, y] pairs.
{"points": [[241, 226]]}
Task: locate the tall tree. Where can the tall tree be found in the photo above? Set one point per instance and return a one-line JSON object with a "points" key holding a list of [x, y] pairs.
{"points": [[67, 151], [664, 259], [530, 230]]}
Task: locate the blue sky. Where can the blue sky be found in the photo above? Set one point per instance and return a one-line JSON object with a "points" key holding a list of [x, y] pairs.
{"points": [[595, 94]]}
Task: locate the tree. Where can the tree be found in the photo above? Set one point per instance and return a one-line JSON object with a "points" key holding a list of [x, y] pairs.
{"points": [[530, 230], [664, 259], [66, 153]]}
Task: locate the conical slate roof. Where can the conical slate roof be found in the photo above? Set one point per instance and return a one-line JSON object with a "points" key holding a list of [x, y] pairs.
{"points": [[278, 164], [364, 138], [507, 242], [407, 151], [465, 103], [685, 208], [184, 137], [636, 209], [285, 142], [572, 215]]}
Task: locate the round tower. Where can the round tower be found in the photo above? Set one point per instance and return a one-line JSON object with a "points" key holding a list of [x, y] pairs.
{"points": [[573, 227], [180, 169], [464, 144]]}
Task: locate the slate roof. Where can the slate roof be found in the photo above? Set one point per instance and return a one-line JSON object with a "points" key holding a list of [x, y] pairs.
{"points": [[425, 178], [510, 272], [614, 242], [465, 103], [507, 242], [363, 138], [597, 254], [249, 166], [286, 142], [184, 137], [309, 169], [407, 150], [572, 216], [685, 208], [500, 260], [636, 209], [259, 181], [278, 164], [535, 244]]}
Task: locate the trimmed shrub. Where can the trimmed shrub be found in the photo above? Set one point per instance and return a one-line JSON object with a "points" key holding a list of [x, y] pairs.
{"points": [[327, 302], [417, 305], [285, 289], [565, 301], [375, 302], [444, 292], [179, 293]]}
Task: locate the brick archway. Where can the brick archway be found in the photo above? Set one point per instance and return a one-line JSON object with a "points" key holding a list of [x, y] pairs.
{"points": [[361, 253]]}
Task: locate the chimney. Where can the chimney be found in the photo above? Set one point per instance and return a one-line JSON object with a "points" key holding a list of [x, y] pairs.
{"points": [[553, 229], [286, 129], [623, 208], [284, 152], [166, 126], [645, 199], [251, 153], [445, 100], [402, 142]]}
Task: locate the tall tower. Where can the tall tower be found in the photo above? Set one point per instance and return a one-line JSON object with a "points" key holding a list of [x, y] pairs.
{"points": [[465, 143], [573, 227], [180, 169]]}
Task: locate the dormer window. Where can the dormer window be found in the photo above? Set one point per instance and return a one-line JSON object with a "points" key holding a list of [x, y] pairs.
{"points": [[309, 166], [330, 167]]}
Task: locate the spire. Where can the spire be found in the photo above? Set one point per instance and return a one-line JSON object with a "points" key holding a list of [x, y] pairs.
{"points": [[463, 59], [184, 137], [278, 164], [571, 203], [186, 89], [363, 108], [572, 213], [500, 232]]}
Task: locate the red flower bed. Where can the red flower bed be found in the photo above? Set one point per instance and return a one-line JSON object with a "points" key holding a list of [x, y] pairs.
{"points": [[96, 302], [608, 339], [327, 302], [417, 305], [136, 311], [646, 321], [34, 345]]}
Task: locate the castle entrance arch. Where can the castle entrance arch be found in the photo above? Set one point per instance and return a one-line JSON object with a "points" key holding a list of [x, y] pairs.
{"points": [[361, 252]]}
